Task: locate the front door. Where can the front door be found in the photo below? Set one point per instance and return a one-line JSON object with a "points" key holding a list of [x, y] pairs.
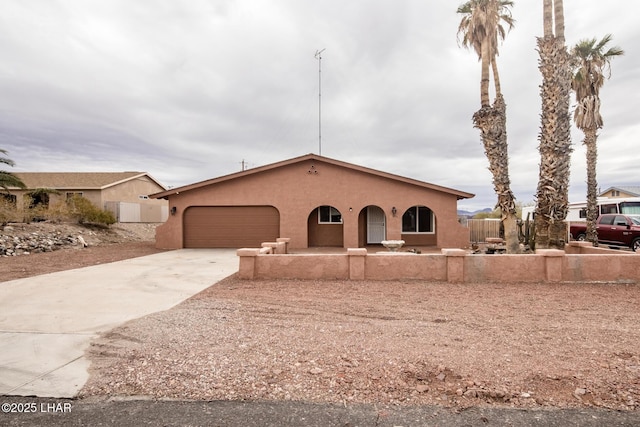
{"points": [[376, 229]]}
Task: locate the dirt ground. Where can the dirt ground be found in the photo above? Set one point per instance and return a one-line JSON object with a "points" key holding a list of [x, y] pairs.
{"points": [[387, 343], [118, 242], [398, 343]]}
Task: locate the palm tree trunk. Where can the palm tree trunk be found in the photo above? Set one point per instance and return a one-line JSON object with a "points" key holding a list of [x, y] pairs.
{"points": [[484, 78], [555, 133], [590, 141], [548, 17], [506, 199], [502, 183], [558, 235], [492, 124], [546, 192], [558, 13], [496, 77]]}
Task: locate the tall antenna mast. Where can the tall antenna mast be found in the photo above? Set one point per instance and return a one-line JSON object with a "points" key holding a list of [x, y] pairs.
{"points": [[318, 56]]}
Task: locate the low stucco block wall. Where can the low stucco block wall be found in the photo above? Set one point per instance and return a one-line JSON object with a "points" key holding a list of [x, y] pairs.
{"points": [[453, 265], [504, 268], [601, 268], [302, 266], [584, 248], [406, 266]]}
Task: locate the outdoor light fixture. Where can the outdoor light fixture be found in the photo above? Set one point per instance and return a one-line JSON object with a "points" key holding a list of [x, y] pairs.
{"points": [[394, 211], [174, 210]]}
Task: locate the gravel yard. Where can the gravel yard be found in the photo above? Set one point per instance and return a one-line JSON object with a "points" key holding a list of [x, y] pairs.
{"points": [[398, 343], [407, 343]]}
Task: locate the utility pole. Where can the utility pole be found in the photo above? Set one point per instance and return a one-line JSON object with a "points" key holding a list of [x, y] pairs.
{"points": [[318, 56]]}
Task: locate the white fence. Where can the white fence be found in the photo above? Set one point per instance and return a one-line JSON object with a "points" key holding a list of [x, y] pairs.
{"points": [[138, 212]]}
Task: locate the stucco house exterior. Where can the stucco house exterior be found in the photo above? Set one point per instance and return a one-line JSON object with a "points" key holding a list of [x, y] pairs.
{"points": [[621, 192], [315, 201], [126, 194]]}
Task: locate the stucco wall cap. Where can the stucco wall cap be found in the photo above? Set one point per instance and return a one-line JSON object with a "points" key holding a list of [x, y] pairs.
{"points": [[550, 252], [248, 252], [580, 243], [454, 252], [357, 251]]}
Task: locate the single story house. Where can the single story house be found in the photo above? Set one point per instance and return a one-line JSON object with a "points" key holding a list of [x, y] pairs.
{"points": [[315, 201], [126, 194], [621, 192]]}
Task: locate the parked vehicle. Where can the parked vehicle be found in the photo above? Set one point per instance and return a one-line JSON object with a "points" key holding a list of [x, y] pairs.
{"points": [[578, 210], [613, 230]]}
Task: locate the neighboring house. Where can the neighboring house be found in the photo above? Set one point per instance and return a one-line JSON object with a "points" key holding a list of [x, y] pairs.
{"points": [[315, 201], [616, 192], [126, 194]]}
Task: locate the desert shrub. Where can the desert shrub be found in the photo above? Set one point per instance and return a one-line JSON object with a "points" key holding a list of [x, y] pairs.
{"points": [[85, 212], [59, 212], [36, 204], [8, 211], [35, 213]]}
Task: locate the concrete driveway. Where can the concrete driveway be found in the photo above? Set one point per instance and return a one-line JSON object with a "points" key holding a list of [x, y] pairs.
{"points": [[47, 322]]}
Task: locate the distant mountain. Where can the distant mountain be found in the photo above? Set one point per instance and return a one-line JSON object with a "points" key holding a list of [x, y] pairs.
{"points": [[471, 214]]}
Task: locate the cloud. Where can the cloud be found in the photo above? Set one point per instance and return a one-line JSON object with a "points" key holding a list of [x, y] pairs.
{"points": [[188, 90]]}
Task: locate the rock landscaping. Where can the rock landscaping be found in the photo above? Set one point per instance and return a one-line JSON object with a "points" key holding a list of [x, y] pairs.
{"points": [[45, 247], [14, 241]]}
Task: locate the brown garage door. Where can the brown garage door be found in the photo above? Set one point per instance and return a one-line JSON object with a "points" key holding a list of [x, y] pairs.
{"points": [[230, 226]]}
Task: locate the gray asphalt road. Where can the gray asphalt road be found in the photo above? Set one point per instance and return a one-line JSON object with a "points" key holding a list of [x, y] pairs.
{"points": [[26, 411]]}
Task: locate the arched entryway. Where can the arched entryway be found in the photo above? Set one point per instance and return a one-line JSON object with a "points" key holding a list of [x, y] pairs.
{"points": [[372, 226], [325, 227]]}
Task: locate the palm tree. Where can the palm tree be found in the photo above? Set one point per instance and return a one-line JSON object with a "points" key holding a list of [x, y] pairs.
{"points": [[7, 179], [481, 28], [592, 63], [555, 131]]}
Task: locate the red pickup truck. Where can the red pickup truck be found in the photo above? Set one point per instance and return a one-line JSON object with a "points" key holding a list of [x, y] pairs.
{"points": [[613, 230]]}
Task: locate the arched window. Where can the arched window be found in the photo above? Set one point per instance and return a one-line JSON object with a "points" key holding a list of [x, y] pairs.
{"points": [[418, 219], [329, 215]]}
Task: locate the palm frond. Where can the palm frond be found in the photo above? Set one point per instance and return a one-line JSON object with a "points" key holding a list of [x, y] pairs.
{"points": [[7, 180], [593, 66], [6, 160]]}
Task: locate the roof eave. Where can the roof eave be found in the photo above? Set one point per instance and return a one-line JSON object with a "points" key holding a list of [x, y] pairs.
{"points": [[174, 191], [141, 174]]}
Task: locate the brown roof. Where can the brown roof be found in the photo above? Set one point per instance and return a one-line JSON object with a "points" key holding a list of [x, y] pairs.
{"points": [[633, 190], [77, 180], [164, 194]]}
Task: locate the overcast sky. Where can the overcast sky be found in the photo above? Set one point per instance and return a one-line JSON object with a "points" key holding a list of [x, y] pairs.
{"points": [[187, 90]]}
